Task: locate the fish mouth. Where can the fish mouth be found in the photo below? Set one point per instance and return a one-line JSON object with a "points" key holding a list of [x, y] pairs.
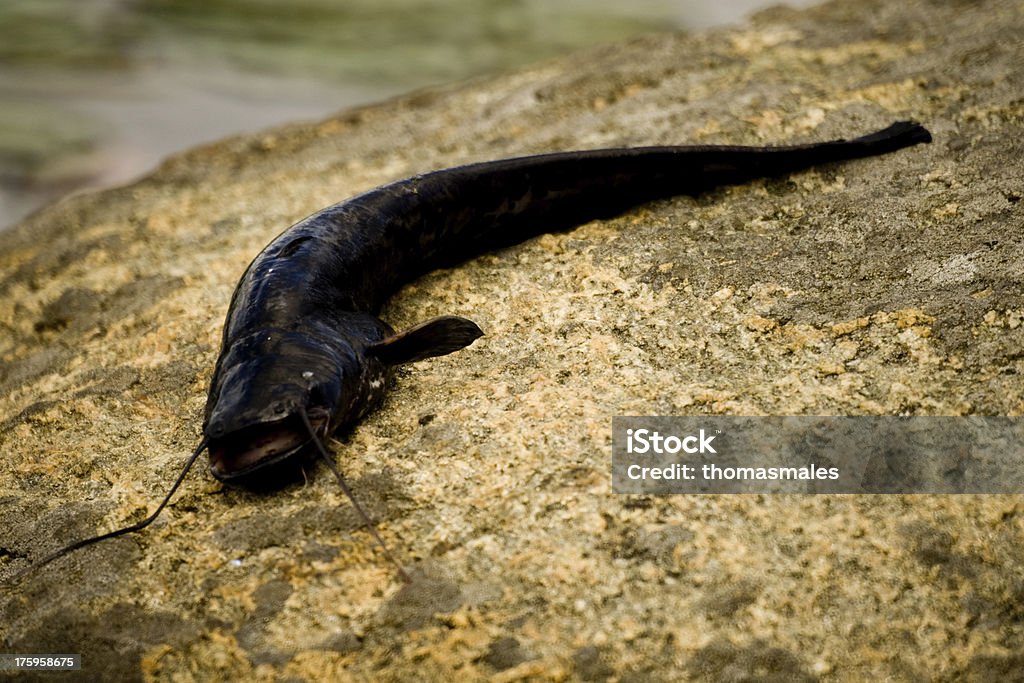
{"points": [[261, 449]]}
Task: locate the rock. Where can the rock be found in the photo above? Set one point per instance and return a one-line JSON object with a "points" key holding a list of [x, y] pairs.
{"points": [[883, 286]]}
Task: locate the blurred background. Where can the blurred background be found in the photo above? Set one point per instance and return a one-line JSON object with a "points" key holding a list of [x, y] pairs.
{"points": [[94, 93]]}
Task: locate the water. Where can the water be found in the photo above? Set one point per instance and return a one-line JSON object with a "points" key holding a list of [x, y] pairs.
{"points": [[94, 93]]}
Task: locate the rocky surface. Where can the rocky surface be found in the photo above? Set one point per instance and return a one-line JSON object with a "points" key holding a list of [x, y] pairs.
{"points": [[884, 286]]}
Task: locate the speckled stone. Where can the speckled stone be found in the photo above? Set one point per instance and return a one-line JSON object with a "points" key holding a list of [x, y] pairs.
{"points": [[883, 286]]}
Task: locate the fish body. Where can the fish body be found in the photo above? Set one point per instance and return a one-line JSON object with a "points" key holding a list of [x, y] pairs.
{"points": [[302, 334]]}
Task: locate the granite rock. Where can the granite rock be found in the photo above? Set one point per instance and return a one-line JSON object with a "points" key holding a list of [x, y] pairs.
{"points": [[883, 286]]}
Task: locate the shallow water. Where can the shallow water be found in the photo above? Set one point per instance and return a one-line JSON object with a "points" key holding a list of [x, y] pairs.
{"points": [[95, 92]]}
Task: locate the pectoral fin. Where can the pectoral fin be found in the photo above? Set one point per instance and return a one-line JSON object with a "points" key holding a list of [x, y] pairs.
{"points": [[435, 337]]}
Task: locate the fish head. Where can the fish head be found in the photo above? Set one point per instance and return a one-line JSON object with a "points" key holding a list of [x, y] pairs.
{"points": [[273, 393]]}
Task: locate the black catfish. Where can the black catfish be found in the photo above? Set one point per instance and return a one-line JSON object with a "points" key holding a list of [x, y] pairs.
{"points": [[304, 353]]}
